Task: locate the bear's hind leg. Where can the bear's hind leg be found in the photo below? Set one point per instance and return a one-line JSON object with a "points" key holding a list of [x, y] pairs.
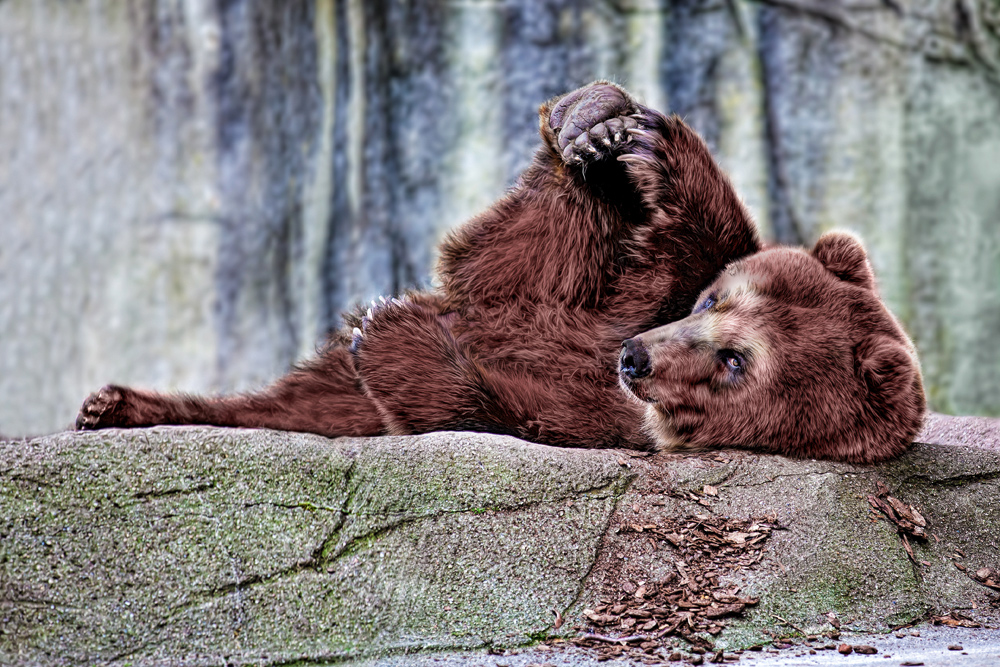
{"points": [[321, 397], [415, 371], [423, 377]]}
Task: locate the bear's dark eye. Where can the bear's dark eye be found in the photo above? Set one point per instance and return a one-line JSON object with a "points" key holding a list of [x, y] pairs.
{"points": [[733, 360], [706, 304]]}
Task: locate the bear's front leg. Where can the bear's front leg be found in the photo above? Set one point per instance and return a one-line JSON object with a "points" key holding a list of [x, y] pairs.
{"points": [[555, 237], [693, 221]]}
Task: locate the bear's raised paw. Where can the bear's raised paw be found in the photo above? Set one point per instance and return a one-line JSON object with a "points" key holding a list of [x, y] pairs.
{"points": [[593, 123]]}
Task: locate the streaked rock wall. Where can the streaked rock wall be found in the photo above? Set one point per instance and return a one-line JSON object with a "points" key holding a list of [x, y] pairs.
{"points": [[191, 191]]}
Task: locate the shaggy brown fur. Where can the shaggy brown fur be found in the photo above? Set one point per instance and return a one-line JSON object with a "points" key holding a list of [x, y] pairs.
{"points": [[618, 225]]}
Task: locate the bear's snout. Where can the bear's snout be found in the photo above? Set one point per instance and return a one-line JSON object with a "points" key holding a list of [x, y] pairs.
{"points": [[634, 360]]}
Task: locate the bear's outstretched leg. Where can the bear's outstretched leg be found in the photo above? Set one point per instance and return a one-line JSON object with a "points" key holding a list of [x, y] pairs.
{"points": [[321, 397]]}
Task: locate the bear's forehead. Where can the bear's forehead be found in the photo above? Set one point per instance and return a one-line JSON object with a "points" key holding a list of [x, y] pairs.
{"points": [[787, 275]]}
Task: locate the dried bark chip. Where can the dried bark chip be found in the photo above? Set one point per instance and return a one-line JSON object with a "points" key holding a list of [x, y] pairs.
{"points": [[865, 649], [987, 576], [908, 549], [599, 619], [907, 512], [710, 490], [883, 507], [955, 647], [724, 610], [845, 649]]}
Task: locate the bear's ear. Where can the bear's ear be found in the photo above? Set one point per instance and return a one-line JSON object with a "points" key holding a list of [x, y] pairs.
{"points": [[843, 255], [882, 362]]}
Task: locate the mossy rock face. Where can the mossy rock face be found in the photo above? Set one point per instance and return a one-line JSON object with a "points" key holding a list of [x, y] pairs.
{"points": [[202, 545], [190, 544]]}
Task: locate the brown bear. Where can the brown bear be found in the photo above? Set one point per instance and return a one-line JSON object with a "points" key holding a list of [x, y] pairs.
{"points": [[622, 224]]}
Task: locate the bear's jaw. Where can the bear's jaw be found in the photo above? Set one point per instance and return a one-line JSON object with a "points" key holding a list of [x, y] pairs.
{"points": [[659, 426], [634, 390]]}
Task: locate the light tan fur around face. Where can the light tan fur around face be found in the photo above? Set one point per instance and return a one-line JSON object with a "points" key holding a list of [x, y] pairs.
{"points": [[685, 355]]}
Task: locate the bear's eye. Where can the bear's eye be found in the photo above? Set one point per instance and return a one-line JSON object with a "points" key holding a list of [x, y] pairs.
{"points": [[734, 361], [706, 304]]}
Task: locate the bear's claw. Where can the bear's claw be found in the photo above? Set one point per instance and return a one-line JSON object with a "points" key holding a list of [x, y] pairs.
{"points": [[358, 333], [600, 141]]}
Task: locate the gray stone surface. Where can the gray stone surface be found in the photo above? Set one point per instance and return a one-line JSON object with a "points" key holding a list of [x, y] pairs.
{"points": [[192, 192], [183, 544], [201, 545]]}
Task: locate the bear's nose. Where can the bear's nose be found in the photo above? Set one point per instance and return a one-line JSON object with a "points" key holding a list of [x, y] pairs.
{"points": [[634, 360]]}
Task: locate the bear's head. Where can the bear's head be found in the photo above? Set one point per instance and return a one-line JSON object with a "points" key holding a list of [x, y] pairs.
{"points": [[787, 351]]}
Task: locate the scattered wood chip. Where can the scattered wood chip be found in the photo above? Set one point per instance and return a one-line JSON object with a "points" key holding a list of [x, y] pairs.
{"points": [[865, 649], [691, 603], [987, 576], [955, 619], [906, 518], [710, 490], [845, 649]]}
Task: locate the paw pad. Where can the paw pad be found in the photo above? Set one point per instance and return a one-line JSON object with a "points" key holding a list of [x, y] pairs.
{"points": [[601, 141]]}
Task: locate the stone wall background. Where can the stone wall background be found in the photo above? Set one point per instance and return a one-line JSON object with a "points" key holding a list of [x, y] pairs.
{"points": [[191, 191]]}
